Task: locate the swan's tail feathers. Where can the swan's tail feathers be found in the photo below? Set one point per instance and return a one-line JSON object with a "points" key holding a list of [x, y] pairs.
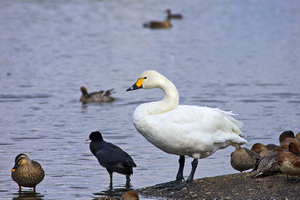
{"points": [[239, 141], [229, 114], [239, 123], [243, 141]]}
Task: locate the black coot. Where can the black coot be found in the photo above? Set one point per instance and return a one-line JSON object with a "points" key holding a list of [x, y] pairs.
{"points": [[110, 156]]}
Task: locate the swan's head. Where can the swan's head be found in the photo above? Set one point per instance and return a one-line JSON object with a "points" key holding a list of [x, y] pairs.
{"points": [[147, 80]]}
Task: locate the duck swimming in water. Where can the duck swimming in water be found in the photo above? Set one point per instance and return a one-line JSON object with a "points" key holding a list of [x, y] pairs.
{"points": [[166, 24], [171, 15], [183, 130], [101, 96]]}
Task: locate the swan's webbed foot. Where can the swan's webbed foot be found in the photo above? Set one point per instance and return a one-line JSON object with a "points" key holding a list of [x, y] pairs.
{"points": [[173, 185], [167, 184], [180, 185]]}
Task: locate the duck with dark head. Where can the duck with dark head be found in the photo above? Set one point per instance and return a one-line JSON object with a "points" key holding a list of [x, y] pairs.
{"points": [[100, 96], [171, 15]]}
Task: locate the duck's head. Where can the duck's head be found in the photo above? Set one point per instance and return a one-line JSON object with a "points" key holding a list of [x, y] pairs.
{"points": [[272, 147], [298, 136], [147, 80], [83, 90], [95, 136], [130, 195], [258, 147], [294, 148], [286, 134], [21, 159]]}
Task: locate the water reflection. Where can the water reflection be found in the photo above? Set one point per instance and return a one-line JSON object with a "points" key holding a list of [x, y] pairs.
{"points": [[28, 195], [114, 191]]}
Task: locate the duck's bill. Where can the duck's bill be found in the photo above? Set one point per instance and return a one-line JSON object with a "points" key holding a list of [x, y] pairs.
{"points": [[15, 167]]}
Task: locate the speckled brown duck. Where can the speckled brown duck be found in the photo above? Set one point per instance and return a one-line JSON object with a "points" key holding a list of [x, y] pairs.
{"points": [[267, 165], [166, 24], [26, 172], [243, 159], [101, 96]]}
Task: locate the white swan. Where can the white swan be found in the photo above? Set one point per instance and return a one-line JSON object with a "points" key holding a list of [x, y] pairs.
{"points": [[182, 129]]}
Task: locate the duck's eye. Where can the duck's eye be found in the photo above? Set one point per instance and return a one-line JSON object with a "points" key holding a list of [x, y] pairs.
{"points": [[145, 77]]}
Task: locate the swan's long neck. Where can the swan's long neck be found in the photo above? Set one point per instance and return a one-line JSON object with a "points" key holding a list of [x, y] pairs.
{"points": [[168, 103], [171, 98]]}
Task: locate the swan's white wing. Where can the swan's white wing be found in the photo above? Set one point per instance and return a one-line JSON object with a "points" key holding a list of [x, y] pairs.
{"points": [[191, 130]]}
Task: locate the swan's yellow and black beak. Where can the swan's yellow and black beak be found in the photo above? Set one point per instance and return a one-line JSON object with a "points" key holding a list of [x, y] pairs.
{"points": [[138, 85]]}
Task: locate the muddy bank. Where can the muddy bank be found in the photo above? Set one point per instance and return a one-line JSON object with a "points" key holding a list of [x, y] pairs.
{"points": [[232, 186]]}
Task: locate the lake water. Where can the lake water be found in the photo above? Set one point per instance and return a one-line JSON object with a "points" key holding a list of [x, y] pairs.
{"points": [[242, 56]]}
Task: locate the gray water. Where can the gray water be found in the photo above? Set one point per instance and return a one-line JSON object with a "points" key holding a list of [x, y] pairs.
{"points": [[241, 56]]}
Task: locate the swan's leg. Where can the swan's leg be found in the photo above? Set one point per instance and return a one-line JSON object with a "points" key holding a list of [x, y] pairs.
{"points": [[179, 176], [194, 166], [180, 185]]}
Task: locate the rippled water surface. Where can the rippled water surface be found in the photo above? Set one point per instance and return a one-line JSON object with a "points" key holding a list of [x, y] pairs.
{"points": [[235, 55]]}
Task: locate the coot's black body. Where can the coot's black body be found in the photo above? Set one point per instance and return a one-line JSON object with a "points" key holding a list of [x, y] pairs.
{"points": [[110, 156]]}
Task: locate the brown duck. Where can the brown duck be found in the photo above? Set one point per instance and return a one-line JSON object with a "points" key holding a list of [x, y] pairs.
{"points": [[289, 161], [26, 172], [101, 96], [158, 24], [171, 15], [243, 159]]}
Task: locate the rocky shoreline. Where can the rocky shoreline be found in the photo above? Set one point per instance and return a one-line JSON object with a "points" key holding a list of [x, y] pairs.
{"points": [[232, 186]]}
